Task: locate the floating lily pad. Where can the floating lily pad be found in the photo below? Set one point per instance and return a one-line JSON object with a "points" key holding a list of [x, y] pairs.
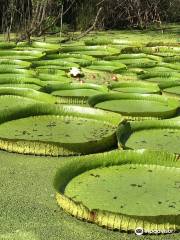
{"points": [[95, 51], [65, 67], [152, 134], [53, 77], [17, 63], [9, 78], [48, 47], [74, 93], [30, 86], [59, 63], [136, 105], [163, 82], [142, 63], [13, 106], [21, 54], [28, 93], [135, 87], [57, 135], [50, 71], [118, 185], [172, 91], [15, 69], [71, 55], [106, 68], [122, 190]]}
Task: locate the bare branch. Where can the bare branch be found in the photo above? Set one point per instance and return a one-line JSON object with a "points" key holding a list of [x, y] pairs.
{"points": [[92, 27]]}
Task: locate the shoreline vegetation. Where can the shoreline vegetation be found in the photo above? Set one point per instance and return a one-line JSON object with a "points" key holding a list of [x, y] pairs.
{"points": [[28, 18]]}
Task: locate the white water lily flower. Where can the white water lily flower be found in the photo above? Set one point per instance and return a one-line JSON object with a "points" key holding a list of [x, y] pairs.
{"points": [[75, 72]]}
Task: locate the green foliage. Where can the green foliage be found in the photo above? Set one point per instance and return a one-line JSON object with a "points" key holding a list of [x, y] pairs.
{"points": [[38, 16]]}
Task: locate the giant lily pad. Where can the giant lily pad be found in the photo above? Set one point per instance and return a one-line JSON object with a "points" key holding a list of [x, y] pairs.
{"points": [[135, 87], [28, 93], [21, 54], [95, 51], [74, 93], [50, 71], [136, 105], [163, 82], [9, 78], [47, 47], [17, 63], [142, 63], [11, 107], [152, 134], [106, 68], [66, 131], [53, 78], [70, 55], [22, 85], [62, 64], [15, 69], [117, 190], [173, 91]]}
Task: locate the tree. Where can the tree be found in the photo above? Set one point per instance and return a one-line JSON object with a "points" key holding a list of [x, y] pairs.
{"points": [[36, 17], [30, 17]]}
